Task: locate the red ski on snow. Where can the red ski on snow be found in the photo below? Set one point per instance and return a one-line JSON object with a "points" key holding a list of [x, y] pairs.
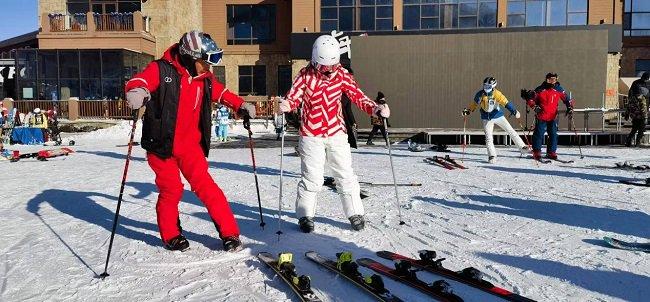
{"points": [[435, 267], [42, 155]]}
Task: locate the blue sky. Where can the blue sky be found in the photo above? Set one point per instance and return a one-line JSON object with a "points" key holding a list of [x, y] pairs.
{"points": [[18, 17]]}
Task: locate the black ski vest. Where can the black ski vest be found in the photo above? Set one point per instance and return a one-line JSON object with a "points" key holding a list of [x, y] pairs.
{"points": [[159, 122]]}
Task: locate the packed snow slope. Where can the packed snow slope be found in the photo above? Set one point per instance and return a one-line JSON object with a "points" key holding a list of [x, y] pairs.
{"points": [[532, 228]]}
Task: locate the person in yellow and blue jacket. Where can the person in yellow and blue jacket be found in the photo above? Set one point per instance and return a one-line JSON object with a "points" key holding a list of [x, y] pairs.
{"points": [[490, 100]]}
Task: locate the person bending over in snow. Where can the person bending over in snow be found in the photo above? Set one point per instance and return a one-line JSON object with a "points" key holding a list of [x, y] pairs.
{"points": [[544, 101], [489, 99], [176, 132], [323, 137]]}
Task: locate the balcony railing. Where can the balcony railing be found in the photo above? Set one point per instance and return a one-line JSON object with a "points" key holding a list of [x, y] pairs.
{"points": [[112, 22], [67, 22]]}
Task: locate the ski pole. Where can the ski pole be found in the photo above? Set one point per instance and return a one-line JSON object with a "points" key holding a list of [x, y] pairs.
{"points": [[390, 156], [247, 126], [523, 130], [134, 116], [575, 131], [279, 232], [464, 137]]}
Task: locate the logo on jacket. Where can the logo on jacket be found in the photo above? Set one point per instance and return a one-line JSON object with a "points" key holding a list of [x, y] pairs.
{"points": [[168, 80]]}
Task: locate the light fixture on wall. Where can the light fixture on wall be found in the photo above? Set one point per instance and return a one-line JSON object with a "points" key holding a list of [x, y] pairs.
{"points": [[305, 29]]}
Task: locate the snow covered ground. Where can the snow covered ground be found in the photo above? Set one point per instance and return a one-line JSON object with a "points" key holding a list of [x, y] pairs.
{"points": [[535, 229]]}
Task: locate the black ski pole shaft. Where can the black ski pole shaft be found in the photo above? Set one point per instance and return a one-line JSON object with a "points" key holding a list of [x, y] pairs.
{"points": [[134, 116], [464, 136], [279, 232], [392, 168], [575, 131], [247, 125]]}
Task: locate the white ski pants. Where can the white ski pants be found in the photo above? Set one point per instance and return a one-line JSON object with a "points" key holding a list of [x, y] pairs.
{"points": [[488, 127], [315, 152]]}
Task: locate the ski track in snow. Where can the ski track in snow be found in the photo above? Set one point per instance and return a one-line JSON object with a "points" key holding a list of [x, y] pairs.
{"points": [[533, 229]]}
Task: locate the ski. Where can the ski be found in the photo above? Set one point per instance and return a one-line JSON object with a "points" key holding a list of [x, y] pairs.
{"points": [[454, 162], [347, 268], [440, 290], [469, 276], [563, 161], [330, 182], [376, 184], [626, 165], [42, 155], [625, 245], [638, 182], [284, 268], [439, 161]]}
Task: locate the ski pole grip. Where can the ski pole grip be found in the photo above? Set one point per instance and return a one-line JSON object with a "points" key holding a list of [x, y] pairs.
{"points": [[134, 114], [247, 122]]}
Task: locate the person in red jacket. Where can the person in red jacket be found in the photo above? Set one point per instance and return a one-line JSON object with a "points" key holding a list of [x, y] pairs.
{"points": [[544, 101], [178, 90]]}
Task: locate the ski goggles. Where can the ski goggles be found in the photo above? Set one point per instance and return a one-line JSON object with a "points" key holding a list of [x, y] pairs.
{"points": [[213, 57], [487, 87]]}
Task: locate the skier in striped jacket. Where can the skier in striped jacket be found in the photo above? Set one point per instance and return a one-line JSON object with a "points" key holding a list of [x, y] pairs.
{"points": [[323, 138]]}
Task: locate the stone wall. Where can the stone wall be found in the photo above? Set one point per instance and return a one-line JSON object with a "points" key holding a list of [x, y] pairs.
{"points": [[50, 6], [169, 20], [611, 93]]}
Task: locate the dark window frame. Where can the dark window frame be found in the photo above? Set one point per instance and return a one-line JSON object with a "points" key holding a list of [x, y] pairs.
{"points": [[254, 72], [638, 71], [630, 11], [271, 24], [284, 83], [120, 5], [546, 17], [357, 7], [453, 9]]}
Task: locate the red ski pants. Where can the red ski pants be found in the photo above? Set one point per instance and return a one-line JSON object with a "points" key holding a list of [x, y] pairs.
{"points": [[194, 167]]}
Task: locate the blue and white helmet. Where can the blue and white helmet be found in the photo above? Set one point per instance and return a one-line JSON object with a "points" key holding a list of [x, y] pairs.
{"points": [[200, 46], [489, 84]]}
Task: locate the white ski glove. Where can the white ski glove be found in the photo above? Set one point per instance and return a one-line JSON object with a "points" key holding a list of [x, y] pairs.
{"points": [[382, 111], [137, 97], [247, 109], [285, 106], [517, 115]]}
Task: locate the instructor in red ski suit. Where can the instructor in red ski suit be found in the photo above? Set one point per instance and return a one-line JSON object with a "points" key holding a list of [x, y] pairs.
{"points": [[176, 132]]}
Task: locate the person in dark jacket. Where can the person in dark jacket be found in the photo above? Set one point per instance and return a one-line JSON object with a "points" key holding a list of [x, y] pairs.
{"points": [[377, 122], [176, 132], [637, 108]]}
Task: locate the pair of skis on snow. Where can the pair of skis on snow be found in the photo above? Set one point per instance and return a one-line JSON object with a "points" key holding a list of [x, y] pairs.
{"points": [[42, 155], [404, 272], [446, 162]]}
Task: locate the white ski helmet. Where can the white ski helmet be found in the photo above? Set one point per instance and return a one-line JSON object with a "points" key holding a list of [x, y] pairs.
{"points": [[37, 110], [325, 51]]}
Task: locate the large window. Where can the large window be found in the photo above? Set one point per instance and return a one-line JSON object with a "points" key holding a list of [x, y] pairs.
{"points": [[641, 66], [349, 15], [636, 20], [251, 24], [428, 14], [86, 74], [547, 12], [103, 6], [252, 80], [284, 79]]}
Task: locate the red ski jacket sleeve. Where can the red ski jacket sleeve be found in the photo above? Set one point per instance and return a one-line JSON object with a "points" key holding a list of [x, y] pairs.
{"points": [[149, 78]]}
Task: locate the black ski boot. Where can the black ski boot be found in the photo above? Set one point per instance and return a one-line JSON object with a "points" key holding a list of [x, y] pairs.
{"points": [[472, 274], [357, 222], [404, 269], [306, 224], [232, 244], [375, 282], [178, 243]]}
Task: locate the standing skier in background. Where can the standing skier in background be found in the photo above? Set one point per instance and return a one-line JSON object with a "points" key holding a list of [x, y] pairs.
{"points": [[223, 122], [377, 122], [323, 137], [544, 101], [488, 100], [637, 108], [176, 132]]}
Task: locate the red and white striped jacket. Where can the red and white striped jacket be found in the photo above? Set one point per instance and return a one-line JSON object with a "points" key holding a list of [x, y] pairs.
{"points": [[320, 96]]}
